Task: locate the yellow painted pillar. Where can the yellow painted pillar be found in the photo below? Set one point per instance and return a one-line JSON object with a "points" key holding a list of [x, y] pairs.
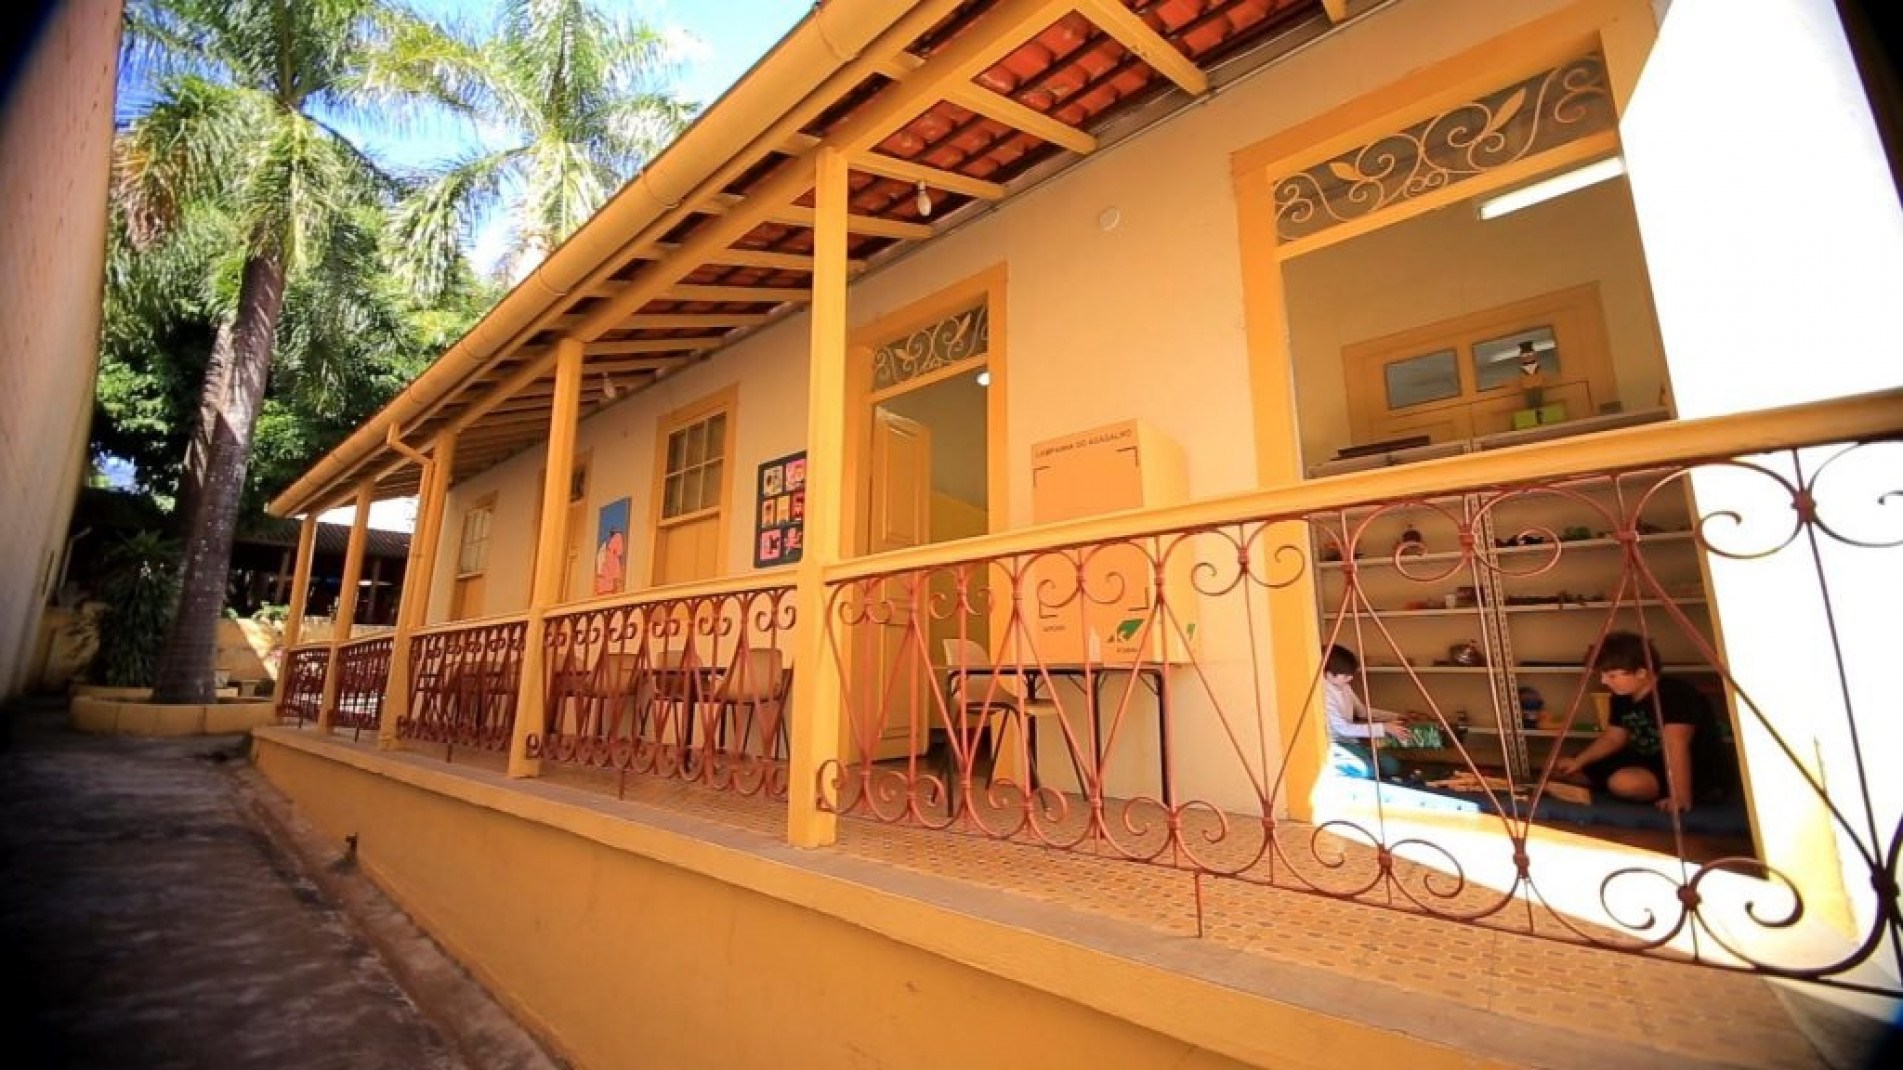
{"points": [[814, 715], [396, 689], [346, 609], [550, 559], [429, 528], [1294, 632], [300, 597]]}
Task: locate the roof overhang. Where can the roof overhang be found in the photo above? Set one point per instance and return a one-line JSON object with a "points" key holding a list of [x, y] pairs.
{"points": [[969, 100]]}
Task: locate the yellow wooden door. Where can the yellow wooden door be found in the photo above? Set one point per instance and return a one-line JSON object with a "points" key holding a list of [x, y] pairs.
{"points": [[465, 600], [899, 673]]}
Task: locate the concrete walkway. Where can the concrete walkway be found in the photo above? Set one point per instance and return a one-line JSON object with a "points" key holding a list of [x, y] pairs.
{"points": [[153, 915]]}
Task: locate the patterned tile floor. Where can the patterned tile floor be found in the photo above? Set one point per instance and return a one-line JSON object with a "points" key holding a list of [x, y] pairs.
{"points": [[1676, 1009]]}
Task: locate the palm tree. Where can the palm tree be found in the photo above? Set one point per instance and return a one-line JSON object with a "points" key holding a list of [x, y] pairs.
{"points": [[239, 86], [574, 96]]}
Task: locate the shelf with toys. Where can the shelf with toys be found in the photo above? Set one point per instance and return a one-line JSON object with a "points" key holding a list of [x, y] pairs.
{"points": [[1501, 631]]}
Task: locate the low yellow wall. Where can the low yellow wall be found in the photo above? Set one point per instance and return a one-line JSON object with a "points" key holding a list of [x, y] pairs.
{"points": [[657, 942], [129, 717]]}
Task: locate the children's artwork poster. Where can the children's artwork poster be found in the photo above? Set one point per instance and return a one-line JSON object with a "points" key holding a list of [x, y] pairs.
{"points": [[780, 519], [611, 547]]}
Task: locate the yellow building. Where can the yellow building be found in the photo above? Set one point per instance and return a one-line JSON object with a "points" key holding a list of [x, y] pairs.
{"points": [[969, 434]]}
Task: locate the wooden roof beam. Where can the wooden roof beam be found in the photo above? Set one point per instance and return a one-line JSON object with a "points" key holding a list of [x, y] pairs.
{"points": [[776, 294], [624, 347], [991, 37], [973, 97], [689, 321], [1133, 33], [1337, 9], [878, 163]]}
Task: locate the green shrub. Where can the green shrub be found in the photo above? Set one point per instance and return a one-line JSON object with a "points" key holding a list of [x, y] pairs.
{"points": [[140, 588]]}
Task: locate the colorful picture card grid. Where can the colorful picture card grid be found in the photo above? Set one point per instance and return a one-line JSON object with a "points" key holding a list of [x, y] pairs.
{"points": [[782, 511]]}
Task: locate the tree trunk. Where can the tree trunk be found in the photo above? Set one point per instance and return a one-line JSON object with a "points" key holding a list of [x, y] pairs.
{"points": [[231, 401]]}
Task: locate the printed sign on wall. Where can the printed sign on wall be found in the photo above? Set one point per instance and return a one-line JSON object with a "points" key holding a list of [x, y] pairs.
{"points": [[780, 521], [611, 547]]}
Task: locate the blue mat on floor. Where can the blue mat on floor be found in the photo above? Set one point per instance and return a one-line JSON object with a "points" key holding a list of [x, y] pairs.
{"points": [[1709, 819]]}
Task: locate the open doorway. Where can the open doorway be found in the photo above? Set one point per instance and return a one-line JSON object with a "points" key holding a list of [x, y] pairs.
{"points": [[1484, 323], [927, 482]]}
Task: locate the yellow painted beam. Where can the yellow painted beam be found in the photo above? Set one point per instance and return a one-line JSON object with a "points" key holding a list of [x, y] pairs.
{"points": [[1030, 120], [992, 105], [800, 216], [689, 292], [550, 559], [816, 689], [626, 367], [761, 258], [503, 391], [988, 39], [691, 321], [627, 347], [878, 163], [1133, 33], [1337, 9]]}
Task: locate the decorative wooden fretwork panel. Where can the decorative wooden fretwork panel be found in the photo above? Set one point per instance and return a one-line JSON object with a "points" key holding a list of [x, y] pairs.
{"points": [[1550, 109], [959, 337]]}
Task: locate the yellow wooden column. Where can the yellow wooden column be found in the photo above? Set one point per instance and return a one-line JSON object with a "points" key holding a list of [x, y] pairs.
{"points": [[550, 560], [1294, 630], [396, 689], [346, 608], [814, 716], [300, 596]]}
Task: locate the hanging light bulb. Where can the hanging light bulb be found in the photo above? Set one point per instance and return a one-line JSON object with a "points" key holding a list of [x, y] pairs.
{"points": [[924, 201], [608, 389]]}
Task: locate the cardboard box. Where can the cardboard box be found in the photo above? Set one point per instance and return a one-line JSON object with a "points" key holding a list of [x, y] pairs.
{"points": [[1094, 605]]}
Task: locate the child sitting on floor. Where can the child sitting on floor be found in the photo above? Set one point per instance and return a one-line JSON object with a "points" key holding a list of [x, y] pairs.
{"points": [[1352, 725], [1660, 744]]}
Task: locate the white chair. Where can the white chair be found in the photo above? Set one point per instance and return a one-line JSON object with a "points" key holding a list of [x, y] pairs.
{"points": [[1000, 696]]}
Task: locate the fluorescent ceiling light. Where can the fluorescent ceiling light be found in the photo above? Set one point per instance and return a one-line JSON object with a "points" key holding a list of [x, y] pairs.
{"points": [[1557, 186]]}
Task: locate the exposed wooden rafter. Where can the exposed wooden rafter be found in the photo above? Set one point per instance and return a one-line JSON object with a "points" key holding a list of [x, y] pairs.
{"points": [[997, 106], [1133, 33], [1337, 9], [623, 347], [775, 294], [878, 163], [987, 40], [690, 321]]}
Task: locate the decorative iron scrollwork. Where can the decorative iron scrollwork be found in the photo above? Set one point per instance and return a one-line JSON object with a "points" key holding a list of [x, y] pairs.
{"points": [[1550, 109], [957, 338]]}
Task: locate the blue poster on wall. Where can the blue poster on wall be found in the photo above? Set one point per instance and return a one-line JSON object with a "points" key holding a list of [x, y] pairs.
{"points": [[611, 548], [780, 517]]}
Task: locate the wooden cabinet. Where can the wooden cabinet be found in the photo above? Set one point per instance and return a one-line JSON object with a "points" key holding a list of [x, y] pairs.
{"points": [[1099, 604], [1547, 578]]}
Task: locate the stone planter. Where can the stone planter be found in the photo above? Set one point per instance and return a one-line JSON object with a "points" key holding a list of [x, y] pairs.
{"points": [[122, 716]]}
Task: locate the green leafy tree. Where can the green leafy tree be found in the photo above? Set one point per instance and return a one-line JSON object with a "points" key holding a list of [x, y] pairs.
{"points": [[232, 139], [578, 99]]}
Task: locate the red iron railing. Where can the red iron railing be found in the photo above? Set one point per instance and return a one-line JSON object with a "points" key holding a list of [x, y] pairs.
{"points": [[463, 684], [693, 688], [303, 691], [363, 674], [1120, 698]]}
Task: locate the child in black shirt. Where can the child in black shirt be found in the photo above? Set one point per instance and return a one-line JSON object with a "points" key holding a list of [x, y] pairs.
{"points": [[1661, 743]]}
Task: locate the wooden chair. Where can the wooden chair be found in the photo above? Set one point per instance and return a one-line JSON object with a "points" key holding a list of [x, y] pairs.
{"points": [[754, 688], [1001, 697]]}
